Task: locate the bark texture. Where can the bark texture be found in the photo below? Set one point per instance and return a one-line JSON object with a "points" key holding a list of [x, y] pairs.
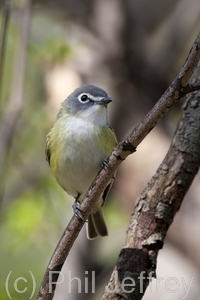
{"points": [[156, 208]]}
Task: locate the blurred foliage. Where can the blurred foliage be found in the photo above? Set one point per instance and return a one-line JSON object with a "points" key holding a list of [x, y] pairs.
{"points": [[30, 221], [52, 51]]}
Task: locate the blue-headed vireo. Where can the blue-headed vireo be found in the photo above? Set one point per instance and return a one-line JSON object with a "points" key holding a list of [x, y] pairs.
{"points": [[77, 145]]}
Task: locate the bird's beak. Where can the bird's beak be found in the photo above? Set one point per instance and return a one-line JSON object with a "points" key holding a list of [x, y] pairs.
{"points": [[104, 101]]}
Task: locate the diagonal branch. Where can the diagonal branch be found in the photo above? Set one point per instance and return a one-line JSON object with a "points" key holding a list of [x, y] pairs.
{"points": [[156, 208], [176, 90]]}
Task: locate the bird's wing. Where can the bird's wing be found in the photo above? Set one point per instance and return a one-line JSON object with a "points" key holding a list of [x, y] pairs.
{"points": [[47, 151], [107, 190]]}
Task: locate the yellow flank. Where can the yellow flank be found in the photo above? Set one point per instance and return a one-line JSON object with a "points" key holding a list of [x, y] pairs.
{"points": [[106, 139], [58, 140], [55, 145]]}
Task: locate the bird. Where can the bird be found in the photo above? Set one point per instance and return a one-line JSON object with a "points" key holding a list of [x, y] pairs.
{"points": [[77, 145]]}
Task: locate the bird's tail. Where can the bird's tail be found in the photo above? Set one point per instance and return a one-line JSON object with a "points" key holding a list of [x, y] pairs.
{"points": [[96, 225]]}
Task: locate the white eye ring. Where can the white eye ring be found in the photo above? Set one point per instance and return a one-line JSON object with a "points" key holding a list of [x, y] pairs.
{"points": [[83, 98]]}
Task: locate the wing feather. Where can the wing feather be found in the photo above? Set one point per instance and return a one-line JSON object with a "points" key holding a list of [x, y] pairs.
{"points": [[47, 152]]}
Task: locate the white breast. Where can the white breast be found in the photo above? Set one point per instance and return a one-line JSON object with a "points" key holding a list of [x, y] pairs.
{"points": [[82, 159]]}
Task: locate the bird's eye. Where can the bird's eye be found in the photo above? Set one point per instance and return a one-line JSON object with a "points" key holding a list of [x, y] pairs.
{"points": [[84, 98]]}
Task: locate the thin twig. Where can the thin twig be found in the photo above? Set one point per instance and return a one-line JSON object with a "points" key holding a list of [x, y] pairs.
{"points": [[128, 146], [4, 32]]}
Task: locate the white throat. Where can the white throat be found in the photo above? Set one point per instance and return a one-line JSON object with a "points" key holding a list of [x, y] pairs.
{"points": [[96, 114]]}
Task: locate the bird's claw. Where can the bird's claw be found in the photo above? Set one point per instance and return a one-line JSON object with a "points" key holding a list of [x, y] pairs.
{"points": [[77, 210], [105, 163]]}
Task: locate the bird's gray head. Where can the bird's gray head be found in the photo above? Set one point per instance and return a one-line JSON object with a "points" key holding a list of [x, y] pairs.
{"points": [[87, 101]]}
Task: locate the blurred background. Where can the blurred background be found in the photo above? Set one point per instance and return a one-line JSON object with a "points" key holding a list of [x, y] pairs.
{"points": [[133, 50]]}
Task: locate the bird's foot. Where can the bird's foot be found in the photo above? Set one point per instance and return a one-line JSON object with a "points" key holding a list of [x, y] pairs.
{"points": [[77, 210], [105, 163]]}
